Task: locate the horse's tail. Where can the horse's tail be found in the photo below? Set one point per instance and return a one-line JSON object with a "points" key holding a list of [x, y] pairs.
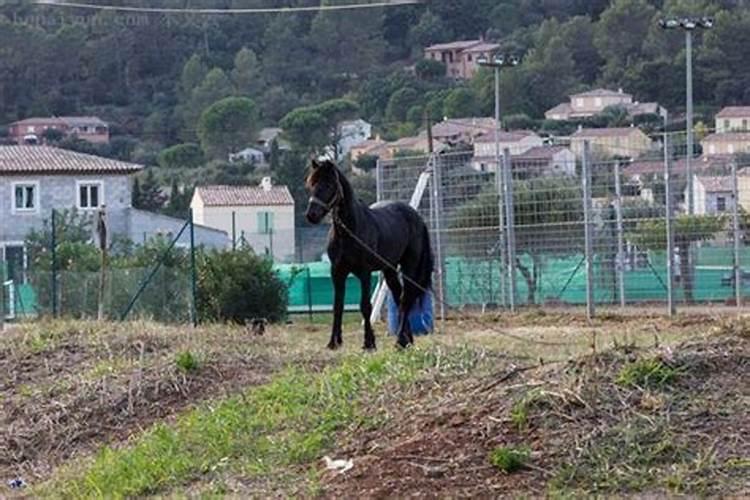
{"points": [[426, 263]]}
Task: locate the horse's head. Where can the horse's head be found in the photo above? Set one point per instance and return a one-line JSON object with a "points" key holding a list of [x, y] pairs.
{"points": [[324, 185]]}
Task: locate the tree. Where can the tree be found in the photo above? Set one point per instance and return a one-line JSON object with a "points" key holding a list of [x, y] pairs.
{"points": [[429, 30], [150, 196], [547, 221], [247, 75], [366, 163], [460, 103], [349, 42], [227, 126], [399, 103], [429, 69], [620, 34], [274, 156], [214, 87], [616, 116], [179, 201], [313, 128], [52, 136], [365, 188], [188, 155], [687, 229]]}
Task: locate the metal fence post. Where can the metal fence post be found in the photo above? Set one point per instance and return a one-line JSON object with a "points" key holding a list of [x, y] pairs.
{"points": [[588, 229], [736, 236], [438, 203], [193, 278], [510, 230], [671, 310], [378, 180], [499, 184], [620, 264], [53, 251]]}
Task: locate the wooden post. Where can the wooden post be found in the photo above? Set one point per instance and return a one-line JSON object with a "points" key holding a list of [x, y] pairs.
{"points": [[101, 229]]}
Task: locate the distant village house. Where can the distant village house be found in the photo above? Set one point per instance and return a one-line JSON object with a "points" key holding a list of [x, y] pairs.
{"points": [[593, 102], [460, 58], [626, 142], [32, 130]]}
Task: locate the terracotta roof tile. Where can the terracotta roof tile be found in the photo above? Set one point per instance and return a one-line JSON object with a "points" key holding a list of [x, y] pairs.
{"points": [[46, 159], [728, 137], [734, 112], [216, 196], [601, 93], [605, 132]]}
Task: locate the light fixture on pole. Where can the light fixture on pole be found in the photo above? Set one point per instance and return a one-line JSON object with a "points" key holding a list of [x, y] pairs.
{"points": [[688, 24], [497, 62]]}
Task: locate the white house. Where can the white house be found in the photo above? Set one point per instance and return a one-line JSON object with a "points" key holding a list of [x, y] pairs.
{"points": [[35, 180], [259, 216], [545, 161], [712, 194], [352, 133], [518, 141], [733, 119], [248, 155]]}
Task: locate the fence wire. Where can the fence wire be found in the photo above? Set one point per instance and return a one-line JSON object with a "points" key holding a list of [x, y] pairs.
{"points": [[522, 239]]}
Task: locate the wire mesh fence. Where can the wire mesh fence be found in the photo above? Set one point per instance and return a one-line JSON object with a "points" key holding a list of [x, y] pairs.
{"points": [[612, 221]]}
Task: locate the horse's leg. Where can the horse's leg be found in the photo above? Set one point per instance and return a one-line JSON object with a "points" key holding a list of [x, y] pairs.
{"points": [[339, 290], [365, 307], [409, 296]]}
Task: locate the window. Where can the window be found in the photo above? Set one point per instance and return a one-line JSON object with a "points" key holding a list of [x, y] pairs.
{"points": [[721, 204], [90, 195], [25, 197], [726, 126], [265, 222], [744, 124], [579, 102], [731, 149], [598, 102], [468, 56], [30, 129]]}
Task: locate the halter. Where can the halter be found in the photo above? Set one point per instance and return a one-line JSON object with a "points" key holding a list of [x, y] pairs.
{"points": [[337, 197]]}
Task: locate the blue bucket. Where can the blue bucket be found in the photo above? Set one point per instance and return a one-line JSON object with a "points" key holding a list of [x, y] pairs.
{"points": [[420, 317]]}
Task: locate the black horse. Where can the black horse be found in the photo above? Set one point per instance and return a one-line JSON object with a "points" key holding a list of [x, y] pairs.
{"points": [[366, 239]]}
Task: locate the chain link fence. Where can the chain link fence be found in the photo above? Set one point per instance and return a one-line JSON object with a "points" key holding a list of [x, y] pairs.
{"points": [[589, 223]]}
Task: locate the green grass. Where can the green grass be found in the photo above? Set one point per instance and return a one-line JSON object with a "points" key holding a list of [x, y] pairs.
{"points": [[291, 420], [522, 408], [509, 459], [647, 373], [187, 361]]}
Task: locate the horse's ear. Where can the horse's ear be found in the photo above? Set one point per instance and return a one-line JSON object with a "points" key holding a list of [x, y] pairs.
{"points": [[315, 165]]}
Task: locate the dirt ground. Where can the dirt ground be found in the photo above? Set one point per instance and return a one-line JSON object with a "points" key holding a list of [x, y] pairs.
{"points": [[67, 388]]}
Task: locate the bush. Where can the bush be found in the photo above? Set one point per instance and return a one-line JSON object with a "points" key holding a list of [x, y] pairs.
{"points": [[509, 459], [234, 285]]}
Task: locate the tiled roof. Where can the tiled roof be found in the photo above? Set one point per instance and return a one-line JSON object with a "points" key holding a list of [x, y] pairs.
{"points": [[716, 184], [46, 159], [601, 93], [460, 45], [483, 47], [728, 137], [734, 112], [562, 108], [458, 126], [268, 134], [541, 152], [71, 121], [512, 136], [605, 132], [645, 167], [217, 196]]}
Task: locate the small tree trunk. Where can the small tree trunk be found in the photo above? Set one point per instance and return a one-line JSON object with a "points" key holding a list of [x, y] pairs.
{"points": [[530, 278], [686, 270]]}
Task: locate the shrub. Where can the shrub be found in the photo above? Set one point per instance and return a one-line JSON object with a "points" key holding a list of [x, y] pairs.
{"points": [[234, 285], [509, 459]]}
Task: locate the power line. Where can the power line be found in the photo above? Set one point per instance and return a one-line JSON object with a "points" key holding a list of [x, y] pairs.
{"points": [[258, 10]]}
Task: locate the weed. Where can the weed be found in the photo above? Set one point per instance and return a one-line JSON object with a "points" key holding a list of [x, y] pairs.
{"points": [[509, 459], [519, 412], [187, 362], [647, 373]]}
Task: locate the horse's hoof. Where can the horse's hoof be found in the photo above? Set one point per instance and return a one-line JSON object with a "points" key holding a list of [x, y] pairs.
{"points": [[369, 348], [403, 343], [333, 346]]}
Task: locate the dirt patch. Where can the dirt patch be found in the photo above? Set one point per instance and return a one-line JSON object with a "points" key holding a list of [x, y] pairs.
{"points": [[648, 421]]}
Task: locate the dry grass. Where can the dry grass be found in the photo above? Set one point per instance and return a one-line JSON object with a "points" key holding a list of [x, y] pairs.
{"points": [[568, 391]]}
